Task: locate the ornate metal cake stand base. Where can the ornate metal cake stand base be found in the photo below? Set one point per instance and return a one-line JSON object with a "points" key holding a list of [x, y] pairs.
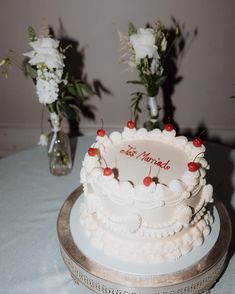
{"points": [[195, 279]]}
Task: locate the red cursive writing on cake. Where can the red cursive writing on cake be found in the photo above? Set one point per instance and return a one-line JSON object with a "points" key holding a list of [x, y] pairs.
{"points": [[145, 156]]}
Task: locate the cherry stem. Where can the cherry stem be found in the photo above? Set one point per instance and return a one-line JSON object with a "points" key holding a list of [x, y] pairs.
{"points": [[198, 155], [131, 113], [102, 123], [150, 170], [200, 134], [105, 162]]}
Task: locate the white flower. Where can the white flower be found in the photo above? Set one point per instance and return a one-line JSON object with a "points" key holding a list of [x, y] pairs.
{"points": [[42, 140], [45, 51], [47, 91], [144, 44]]}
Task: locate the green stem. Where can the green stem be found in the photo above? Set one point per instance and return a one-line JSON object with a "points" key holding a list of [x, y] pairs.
{"points": [[50, 108], [15, 62], [42, 118]]}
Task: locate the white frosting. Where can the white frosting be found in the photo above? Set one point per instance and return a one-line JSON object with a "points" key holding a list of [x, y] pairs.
{"points": [[148, 248], [125, 212]]}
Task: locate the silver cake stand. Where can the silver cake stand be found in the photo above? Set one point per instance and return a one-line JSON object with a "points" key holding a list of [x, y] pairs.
{"points": [[196, 278]]}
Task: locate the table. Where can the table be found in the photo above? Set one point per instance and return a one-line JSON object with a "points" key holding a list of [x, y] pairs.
{"points": [[30, 199]]}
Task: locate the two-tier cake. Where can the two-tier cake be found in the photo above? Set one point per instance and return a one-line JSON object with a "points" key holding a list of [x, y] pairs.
{"points": [[145, 194]]}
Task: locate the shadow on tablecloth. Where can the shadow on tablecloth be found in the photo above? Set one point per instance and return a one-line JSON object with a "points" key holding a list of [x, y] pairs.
{"points": [[222, 176]]}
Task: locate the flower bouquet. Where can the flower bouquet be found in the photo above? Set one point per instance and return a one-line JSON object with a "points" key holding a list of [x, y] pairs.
{"points": [[146, 50], [56, 90]]}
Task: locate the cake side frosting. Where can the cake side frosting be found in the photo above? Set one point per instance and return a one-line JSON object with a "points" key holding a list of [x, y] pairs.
{"points": [[171, 208]]}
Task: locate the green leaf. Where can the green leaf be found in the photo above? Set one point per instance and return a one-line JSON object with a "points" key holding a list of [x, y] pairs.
{"points": [[75, 107], [79, 89], [72, 90], [67, 97], [135, 82], [31, 33], [85, 89], [30, 71], [131, 29], [135, 105], [67, 111], [160, 81], [89, 90], [76, 111], [62, 94], [52, 107]]}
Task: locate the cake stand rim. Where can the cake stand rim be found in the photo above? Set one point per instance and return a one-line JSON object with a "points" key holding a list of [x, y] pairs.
{"points": [[213, 257]]}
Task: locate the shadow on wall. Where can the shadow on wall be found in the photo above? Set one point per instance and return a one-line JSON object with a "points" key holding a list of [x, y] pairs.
{"points": [[171, 70], [172, 65], [202, 132], [222, 166], [75, 65]]}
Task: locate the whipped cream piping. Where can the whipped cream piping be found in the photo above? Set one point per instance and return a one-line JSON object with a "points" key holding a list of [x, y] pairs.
{"points": [[185, 187], [182, 217], [185, 197], [141, 249]]}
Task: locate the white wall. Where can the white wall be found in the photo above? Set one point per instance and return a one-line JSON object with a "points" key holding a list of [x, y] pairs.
{"points": [[208, 66]]}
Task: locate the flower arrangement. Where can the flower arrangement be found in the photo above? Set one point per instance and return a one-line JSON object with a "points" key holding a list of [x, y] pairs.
{"points": [[56, 90], [146, 50], [47, 58]]}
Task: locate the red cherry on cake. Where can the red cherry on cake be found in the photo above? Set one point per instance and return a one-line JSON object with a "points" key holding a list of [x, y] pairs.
{"points": [[92, 151], [101, 132], [168, 127], [107, 171], [131, 124], [193, 166], [147, 181], [197, 142]]}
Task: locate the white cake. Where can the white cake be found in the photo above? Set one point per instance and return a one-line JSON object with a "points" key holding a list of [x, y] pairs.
{"points": [[145, 194]]}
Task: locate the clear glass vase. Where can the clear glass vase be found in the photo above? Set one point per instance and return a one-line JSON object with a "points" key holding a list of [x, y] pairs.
{"points": [[153, 109], [59, 150]]}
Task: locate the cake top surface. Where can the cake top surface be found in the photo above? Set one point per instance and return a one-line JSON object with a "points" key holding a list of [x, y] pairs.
{"points": [[135, 159]]}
